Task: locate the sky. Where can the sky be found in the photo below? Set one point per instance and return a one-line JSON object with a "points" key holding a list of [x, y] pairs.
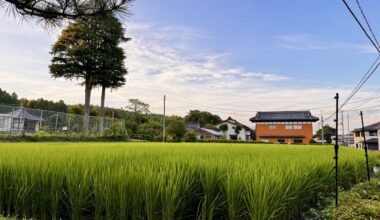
{"points": [[232, 58]]}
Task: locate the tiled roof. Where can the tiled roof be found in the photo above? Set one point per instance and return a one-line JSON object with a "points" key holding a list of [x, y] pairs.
{"points": [[284, 116], [371, 141], [371, 127], [210, 131], [234, 122]]}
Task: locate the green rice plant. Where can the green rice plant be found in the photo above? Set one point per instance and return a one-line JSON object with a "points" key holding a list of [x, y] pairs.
{"points": [[169, 180]]}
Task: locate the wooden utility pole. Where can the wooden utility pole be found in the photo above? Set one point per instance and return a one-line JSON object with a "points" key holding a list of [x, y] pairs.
{"points": [[365, 146], [323, 135], [348, 130], [343, 139], [163, 121]]}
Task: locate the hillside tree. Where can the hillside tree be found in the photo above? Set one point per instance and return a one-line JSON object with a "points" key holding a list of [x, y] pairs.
{"points": [[79, 54]]}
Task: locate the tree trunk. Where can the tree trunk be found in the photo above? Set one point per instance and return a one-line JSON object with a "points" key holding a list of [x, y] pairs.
{"points": [[103, 97], [86, 119]]}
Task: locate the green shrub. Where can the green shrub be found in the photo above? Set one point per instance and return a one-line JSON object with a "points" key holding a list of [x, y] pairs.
{"points": [[190, 137]]}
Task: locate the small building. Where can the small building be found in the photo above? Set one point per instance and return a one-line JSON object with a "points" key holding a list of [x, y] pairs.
{"points": [[191, 126], [19, 121], [284, 126], [243, 134], [372, 135], [205, 134]]}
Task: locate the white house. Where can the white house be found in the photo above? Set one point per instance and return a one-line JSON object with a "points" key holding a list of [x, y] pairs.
{"points": [[245, 134], [372, 135], [18, 121]]}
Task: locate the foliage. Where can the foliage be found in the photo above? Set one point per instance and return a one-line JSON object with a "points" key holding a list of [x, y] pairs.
{"points": [[53, 11], [202, 117], [176, 128], [237, 129], [116, 131], [327, 133], [44, 104], [223, 128], [167, 181], [360, 202], [6, 98], [190, 137], [87, 50], [152, 130]]}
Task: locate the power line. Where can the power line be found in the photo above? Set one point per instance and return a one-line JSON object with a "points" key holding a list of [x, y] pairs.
{"points": [[361, 26], [366, 21], [364, 79]]}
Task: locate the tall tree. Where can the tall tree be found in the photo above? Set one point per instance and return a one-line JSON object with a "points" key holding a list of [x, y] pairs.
{"points": [[176, 128], [53, 11], [202, 117], [114, 70], [79, 54], [327, 133], [138, 107]]}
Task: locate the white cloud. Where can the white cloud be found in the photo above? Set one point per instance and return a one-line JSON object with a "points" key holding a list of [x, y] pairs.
{"points": [[161, 60], [303, 42]]}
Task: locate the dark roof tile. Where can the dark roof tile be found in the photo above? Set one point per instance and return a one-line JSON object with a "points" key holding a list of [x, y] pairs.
{"points": [[284, 116]]}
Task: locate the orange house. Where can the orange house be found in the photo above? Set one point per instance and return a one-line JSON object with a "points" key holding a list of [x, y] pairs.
{"points": [[284, 126]]}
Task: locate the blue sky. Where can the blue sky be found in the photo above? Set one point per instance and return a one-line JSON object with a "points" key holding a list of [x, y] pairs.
{"points": [[242, 55]]}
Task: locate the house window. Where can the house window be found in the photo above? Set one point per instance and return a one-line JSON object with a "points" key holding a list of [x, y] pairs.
{"points": [[272, 127], [357, 134], [281, 141], [2, 122], [288, 127], [298, 141], [297, 127], [373, 133]]}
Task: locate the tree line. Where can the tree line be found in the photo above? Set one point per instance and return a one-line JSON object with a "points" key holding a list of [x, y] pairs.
{"points": [[141, 123]]}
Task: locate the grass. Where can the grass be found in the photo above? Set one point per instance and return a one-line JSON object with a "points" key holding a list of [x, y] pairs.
{"points": [[168, 181]]}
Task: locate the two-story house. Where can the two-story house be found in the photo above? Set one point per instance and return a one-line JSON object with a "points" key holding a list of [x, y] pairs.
{"points": [[235, 130], [372, 135], [284, 126]]}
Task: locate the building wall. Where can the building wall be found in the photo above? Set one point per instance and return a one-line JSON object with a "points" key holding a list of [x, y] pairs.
{"points": [[358, 137], [231, 131], [6, 126], [280, 129]]}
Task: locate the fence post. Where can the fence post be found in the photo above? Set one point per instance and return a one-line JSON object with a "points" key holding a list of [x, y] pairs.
{"points": [[11, 127], [41, 120], [56, 123], [69, 123]]}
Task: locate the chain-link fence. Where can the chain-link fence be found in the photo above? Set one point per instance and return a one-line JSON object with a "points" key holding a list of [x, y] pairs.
{"points": [[20, 120]]}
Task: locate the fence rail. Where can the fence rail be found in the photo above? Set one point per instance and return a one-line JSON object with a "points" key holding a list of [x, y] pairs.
{"points": [[21, 120]]}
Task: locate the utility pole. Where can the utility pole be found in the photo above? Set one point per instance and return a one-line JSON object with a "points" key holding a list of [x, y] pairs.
{"points": [[163, 121], [323, 135], [336, 148], [343, 139], [365, 146], [348, 130]]}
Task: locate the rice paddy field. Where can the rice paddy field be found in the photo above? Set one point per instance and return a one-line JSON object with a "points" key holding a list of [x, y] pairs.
{"points": [[169, 181]]}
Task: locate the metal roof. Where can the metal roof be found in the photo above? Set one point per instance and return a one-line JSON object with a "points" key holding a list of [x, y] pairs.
{"points": [[22, 113], [234, 122], [371, 141], [284, 116], [210, 131], [371, 127]]}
